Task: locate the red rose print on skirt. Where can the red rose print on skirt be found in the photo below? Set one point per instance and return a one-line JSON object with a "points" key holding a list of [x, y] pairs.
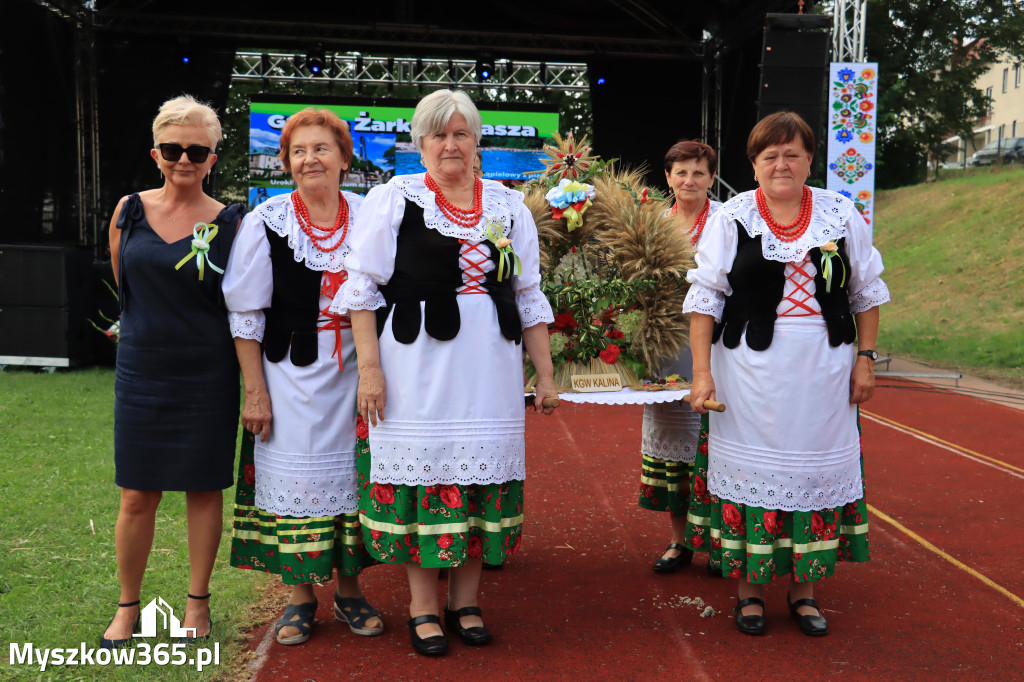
{"points": [[771, 522], [475, 547], [384, 493], [451, 496], [731, 515], [250, 474], [445, 541], [362, 430], [817, 524]]}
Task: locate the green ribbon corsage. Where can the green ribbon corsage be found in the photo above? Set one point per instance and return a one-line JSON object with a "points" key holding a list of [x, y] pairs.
{"points": [[202, 235], [507, 257], [828, 252]]}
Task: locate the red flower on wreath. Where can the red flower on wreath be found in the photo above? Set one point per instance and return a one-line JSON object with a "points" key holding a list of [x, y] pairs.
{"points": [[817, 523], [475, 547], [614, 334], [731, 515], [445, 541], [610, 354], [250, 474], [771, 522], [564, 321], [451, 496], [384, 493], [362, 430]]}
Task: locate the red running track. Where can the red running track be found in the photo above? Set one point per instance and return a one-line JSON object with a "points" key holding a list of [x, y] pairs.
{"points": [[580, 599]]}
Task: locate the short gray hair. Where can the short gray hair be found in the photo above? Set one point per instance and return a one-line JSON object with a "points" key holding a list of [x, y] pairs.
{"points": [[186, 110], [435, 110]]}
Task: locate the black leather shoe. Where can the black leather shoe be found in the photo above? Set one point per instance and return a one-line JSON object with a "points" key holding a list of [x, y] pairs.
{"points": [[750, 625], [472, 636], [492, 567], [672, 565], [812, 626], [427, 646]]}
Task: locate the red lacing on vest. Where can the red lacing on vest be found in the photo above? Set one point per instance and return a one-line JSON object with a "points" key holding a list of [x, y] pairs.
{"points": [[473, 272], [330, 285], [799, 297]]}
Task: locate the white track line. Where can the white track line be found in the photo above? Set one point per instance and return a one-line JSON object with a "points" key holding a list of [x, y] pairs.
{"points": [[943, 446]]}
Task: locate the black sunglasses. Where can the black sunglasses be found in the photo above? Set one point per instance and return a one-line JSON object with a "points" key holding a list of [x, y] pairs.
{"points": [[172, 151]]}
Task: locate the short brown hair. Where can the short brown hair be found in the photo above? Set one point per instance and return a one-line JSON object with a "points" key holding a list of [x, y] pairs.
{"points": [[779, 128], [684, 150], [315, 116]]}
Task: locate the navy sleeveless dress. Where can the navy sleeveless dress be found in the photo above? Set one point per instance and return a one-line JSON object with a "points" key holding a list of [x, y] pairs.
{"points": [[176, 388]]}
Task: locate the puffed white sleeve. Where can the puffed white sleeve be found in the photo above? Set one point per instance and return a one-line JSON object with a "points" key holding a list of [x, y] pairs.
{"points": [[531, 302], [372, 243], [709, 281], [867, 290], [248, 282]]}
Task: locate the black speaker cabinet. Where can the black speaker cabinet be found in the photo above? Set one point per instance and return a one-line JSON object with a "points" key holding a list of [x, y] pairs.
{"points": [[45, 298]]}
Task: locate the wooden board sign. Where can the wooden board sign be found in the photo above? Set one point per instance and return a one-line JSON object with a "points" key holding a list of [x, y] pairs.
{"points": [[594, 383]]}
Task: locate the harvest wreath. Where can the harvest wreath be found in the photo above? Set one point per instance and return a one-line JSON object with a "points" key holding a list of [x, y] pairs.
{"points": [[614, 267]]}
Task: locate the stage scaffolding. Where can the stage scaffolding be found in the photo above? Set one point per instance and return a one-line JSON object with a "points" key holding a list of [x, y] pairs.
{"points": [[358, 69]]}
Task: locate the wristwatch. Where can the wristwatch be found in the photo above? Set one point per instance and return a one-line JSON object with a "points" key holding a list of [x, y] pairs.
{"points": [[873, 354]]}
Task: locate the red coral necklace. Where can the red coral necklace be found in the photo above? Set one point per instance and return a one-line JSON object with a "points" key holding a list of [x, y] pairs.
{"points": [[459, 216], [793, 230], [321, 235]]}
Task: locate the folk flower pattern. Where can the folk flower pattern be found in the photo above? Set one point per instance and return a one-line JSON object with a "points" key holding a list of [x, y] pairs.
{"points": [[853, 103], [850, 166], [567, 158]]}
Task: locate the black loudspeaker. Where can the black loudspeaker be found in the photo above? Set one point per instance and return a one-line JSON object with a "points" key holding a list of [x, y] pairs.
{"points": [[794, 74], [45, 298]]}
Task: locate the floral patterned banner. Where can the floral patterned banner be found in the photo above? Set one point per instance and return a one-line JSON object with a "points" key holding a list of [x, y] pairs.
{"points": [[852, 118]]}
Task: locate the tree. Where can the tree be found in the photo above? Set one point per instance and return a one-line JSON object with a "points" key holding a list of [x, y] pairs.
{"points": [[929, 54]]}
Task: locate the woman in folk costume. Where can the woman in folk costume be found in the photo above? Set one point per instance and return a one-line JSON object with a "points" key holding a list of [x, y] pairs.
{"points": [[785, 271], [443, 293], [671, 430], [296, 499]]}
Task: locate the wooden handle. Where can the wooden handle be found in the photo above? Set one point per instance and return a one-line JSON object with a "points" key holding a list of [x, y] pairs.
{"points": [[548, 402], [710, 405]]}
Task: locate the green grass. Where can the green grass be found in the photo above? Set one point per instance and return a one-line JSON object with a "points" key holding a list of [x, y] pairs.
{"points": [[954, 254], [58, 575]]}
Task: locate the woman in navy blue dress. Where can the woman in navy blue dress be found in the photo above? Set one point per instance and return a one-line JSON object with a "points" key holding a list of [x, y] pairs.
{"points": [[176, 387]]}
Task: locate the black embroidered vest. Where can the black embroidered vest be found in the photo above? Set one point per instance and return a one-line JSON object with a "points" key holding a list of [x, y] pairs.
{"points": [[427, 269], [294, 310], [757, 285]]}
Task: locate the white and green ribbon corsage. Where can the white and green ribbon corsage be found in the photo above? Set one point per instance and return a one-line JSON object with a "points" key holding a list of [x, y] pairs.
{"points": [[507, 257], [202, 235], [828, 252]]}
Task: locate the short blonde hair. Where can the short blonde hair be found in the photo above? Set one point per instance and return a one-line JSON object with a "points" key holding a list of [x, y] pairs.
{"points": [[186, 110], [435, 110]]}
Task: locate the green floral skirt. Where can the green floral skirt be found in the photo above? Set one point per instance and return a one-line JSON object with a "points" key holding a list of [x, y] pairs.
{"points": [[665, 485], [300, 550], [759, 544], [440, 526]]}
